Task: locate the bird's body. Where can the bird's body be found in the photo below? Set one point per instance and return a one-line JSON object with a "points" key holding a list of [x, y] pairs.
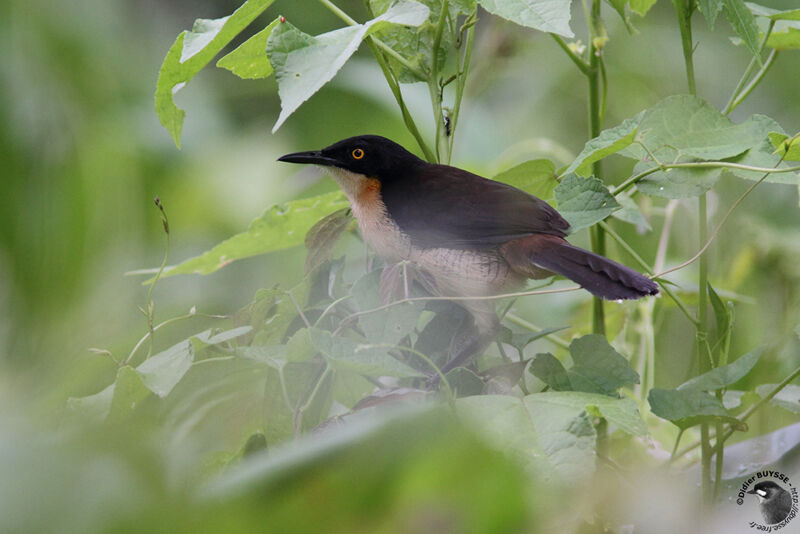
{"points": [[471, 236]]}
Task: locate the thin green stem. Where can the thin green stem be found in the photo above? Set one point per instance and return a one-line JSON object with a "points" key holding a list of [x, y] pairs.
{"points": [[684, 9], [748, 71], [436, 91], [398, 96], [556, 340], [649, 270], [582, 65], [756, 80], [461, 81], [595, 126]]}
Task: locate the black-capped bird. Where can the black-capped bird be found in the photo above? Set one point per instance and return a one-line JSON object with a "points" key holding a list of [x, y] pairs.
{"points": [[471, 236], [775, 502]]}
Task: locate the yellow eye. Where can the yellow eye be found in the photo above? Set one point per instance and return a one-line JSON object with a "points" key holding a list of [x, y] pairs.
{"points": [[357, 153]]}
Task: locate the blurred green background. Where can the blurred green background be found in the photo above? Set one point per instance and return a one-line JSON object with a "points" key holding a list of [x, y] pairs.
{"points": [[82, 155]]}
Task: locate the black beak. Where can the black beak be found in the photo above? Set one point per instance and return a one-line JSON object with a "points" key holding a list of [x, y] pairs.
{"points": [[312, 156]]}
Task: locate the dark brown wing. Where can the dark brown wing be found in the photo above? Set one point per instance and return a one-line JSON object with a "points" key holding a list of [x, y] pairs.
{"points": [[442, 206]]}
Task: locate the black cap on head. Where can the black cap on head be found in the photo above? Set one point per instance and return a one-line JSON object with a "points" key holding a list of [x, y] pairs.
{"points": [[371, 155]]}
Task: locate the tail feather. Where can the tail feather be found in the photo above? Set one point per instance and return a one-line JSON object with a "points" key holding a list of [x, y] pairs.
{"points": [[598, 275]]}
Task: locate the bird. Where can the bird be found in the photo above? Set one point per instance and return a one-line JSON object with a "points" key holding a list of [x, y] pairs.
{"points": [[470, 236], [775, 502]]}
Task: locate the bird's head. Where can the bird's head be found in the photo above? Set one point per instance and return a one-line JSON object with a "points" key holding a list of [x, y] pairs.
{"points": [[368, 155], [766, 490]]}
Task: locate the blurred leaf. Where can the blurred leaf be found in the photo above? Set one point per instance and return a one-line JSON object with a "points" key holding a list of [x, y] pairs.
{"points": [[464, 382], [161, 372], [324, 235], [688, 407], [408, 472], [555, 441], [95, 406], [787, 147], [543, 15], [725, 375], [684, 125], [278, 228], [303, 63], [536, 177], [129, 391], [551, 432], [763, 154], [389, 325], [349, 355], [676, 183], [597, 368], [190, 52], [630, 212], [788, 398], [710, 9], [608, 142], [249, 60], [584, 201], [278, 415], [744, 24]]}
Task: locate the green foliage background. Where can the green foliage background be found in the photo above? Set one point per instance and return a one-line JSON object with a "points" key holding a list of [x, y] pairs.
{"points": [[82, 155]]}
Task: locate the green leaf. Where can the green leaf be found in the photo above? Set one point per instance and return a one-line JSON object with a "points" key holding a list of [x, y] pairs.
{"points": [[676, 183], [785, 35], [192, 51], [597, 368], [551, 371], [774, 14], [721, 313], [608, 142], [787, 147], [744, 24], [685, 125], [543, 15], [163, 371], [323, 236], [630, 212], [129, 391], [541, 417], [279, 227], [556, 442], [415, 44], [626, 7], [304, 63], [389, 325], [584, 201], [537, 177], [464, 382], [349, 355], [688, 407], [724, 375], [763, 154], [95, 406], [710, 9], [788, 398], [249, 61]]}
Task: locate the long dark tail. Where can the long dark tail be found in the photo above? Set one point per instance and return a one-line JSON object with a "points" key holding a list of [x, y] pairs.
{"points": [[598, 275]]}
